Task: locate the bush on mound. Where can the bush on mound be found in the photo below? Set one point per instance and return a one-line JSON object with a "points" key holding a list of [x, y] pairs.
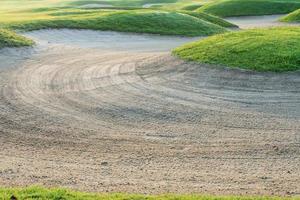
{"points": [[227, 8], [141, 21], [292, 17], [11, 39], [275, 49]]}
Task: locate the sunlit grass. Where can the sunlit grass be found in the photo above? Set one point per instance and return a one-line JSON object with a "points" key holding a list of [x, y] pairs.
{"points": [[292, 17], [9, 5], [54, 194], [274, 49], [138, 21], [210, 18], [226, 8], [11, 39]]}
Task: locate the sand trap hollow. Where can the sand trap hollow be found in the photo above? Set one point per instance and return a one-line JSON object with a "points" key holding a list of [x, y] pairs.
{"points": [[88, 114], [259, 21], [149, 5], [96, 5], [107, 40]]}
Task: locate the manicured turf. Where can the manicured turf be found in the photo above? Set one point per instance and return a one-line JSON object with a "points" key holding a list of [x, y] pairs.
{"points": [[13, 5], [292, 17], [139, 21], [275, 49], [42, 14], [191, 7], [11, 39], [136, 3], [227, 8], [210, 18], [55, 194]]}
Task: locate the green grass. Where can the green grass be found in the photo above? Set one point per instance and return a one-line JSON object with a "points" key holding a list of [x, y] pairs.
{"points": [[11, 39], [274, 49], [13, 5], [210, 18], [42, 14], [136, 3], [227, 8], [191, 7], [292, 17], [63, 194], [138, 21]]}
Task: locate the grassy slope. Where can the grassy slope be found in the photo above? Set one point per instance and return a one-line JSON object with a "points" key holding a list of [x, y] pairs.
{"points": [[275, 49], [11, 39], [140, 21], [292, 17], [53, 194], [130, 3], [210, 18], [191, 7], [226, 8], [8, 5], [34, 15]]}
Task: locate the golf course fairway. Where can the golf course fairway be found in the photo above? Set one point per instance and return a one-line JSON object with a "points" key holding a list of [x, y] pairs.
{"points": [[149, 100]]}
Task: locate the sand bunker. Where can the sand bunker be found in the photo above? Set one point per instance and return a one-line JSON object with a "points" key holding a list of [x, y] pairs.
{"points": [[103, 111], [258, 21], [96, 5], [110, 41], [149, 5]]}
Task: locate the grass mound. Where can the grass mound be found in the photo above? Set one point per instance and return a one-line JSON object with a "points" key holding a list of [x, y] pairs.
{"points": [[11, 39], [191, 7], [227, 8], [139, 21], [292, 17], [53, 194], [117, 3], [210, 18], [275, 49]]}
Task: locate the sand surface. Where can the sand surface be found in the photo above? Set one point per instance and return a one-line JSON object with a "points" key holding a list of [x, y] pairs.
{"points": [[110, 112], [259, 21], [149, 5], [96, 5]]}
